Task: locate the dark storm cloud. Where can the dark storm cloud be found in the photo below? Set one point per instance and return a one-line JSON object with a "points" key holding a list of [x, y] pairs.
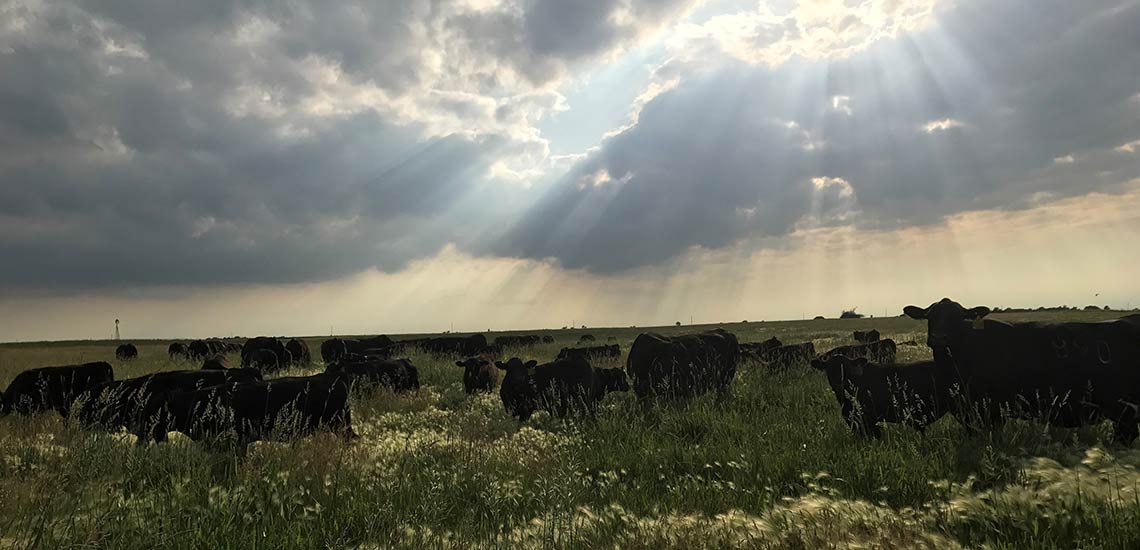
{"points": [[740, 151], [203, 142]]}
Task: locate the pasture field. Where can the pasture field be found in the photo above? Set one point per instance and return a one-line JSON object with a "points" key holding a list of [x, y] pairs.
{"points": [[772, 467]]}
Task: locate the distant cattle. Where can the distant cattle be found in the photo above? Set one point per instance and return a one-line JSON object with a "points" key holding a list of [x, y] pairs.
{"points": [[299, 351], [916, 394], [335, 349], [866, 336], [756, 350], [52, 388], [591, 353], [455, 345], [177, 351], [585, 338], [683, 366], [1069, 374], [399, 375], [880, 351], [562, 387], [200, 349], [479, 375], [520, 341], [265, 354], [141, 404], [789, 355], [126, 352], [547, 339], [217, 362], [277, 409]]}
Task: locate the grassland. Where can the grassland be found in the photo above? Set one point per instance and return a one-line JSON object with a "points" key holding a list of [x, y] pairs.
{"points": [[773, 467]]}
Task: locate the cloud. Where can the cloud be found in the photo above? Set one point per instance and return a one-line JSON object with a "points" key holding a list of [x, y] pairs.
{"points": [[968, 114], [225, 141]]}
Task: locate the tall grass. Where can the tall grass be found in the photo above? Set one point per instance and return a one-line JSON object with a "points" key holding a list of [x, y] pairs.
{"points": [[774, 466]]}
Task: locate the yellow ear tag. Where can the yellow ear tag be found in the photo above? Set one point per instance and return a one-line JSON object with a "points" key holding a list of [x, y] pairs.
{"points": [[979, 323]]}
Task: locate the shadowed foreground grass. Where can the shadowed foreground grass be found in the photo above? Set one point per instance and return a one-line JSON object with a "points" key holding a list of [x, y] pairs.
{"points": [[773, 467]]}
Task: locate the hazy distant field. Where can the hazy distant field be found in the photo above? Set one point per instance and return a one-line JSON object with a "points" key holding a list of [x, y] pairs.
{"points": [[774, 467]]}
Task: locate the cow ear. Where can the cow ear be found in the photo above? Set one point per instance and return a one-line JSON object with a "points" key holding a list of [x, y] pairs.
{"points": [[816, 363], [501, 365], [978, 312], [914, 312]]}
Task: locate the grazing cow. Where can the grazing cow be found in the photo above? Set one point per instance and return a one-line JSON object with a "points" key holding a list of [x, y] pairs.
{"points": [[547, 339], [399, 375], [585, 338], [217, 362], [299, 351], [791, 354], [278, 409], [916, 394], [479, 375], [683, 366], [592, 352], [252, 354], [880, 351], [126, 352], [177, 351], [52, 388], [199, 350], [140, 404], [332, 350], [866, 336], [562, 387], [608, 380], [1067, 373], [756, 350]]}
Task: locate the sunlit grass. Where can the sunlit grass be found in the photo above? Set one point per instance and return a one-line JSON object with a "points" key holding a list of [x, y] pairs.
{"points": [[773, 467]]}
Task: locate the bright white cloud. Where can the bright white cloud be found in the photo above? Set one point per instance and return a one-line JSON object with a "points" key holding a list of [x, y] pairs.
{"points": [[942, 125]]}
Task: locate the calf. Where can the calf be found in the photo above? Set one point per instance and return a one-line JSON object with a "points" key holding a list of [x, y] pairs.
{"points": [[126, 352], [562, 387], [881, 351], [479, 375], [53, 388], [916, 394], [591, 353]]}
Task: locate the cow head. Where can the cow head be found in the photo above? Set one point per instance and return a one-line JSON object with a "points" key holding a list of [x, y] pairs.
{"points": [[944, 320], [609, 380], [472, 366], [516, 369], [840, 370]]}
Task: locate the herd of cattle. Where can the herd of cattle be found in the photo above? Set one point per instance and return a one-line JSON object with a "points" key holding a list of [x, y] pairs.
{"points": [[1069, 374]]}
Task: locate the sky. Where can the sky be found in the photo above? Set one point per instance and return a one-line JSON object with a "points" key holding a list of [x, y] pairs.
{"points": [[240, 167]]}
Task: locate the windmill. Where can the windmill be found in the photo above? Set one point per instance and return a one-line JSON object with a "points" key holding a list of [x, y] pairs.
{"points": [[116, 329]]}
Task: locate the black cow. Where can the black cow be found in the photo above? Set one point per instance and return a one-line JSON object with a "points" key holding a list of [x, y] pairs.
{"points": [[140, 404], [547, 339], [1067, 373], [608, 380], [253, 354], [52, 388], [217, 362], [199, 350], [520, 341], [880, 351], [585, 338], [916, 394], [789, 355], [683, 366], [299, 351], [562, 387], [756, 350], [591, 353], [399, 375], [177, 351], [479, 375], [332, 350], [277, 409], [126, 352], [866, 336]]}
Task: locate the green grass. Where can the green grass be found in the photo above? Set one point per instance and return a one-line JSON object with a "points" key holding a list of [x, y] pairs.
{"points": [[773, 467]]}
